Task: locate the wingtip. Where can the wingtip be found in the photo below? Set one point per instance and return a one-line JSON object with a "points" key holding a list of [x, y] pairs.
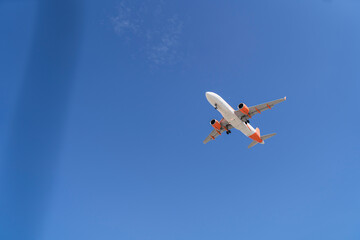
{"points": [[285, 98]]}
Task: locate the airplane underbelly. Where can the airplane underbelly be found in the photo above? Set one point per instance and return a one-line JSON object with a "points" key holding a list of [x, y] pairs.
{"points": [[229, 115], [241, 126]]}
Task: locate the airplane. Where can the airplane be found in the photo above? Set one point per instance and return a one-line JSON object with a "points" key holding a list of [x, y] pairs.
{"points": [[238, 119]]}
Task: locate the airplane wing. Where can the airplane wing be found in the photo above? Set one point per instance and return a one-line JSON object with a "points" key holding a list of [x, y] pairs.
{"points": [[258, 109], [214, 133]]}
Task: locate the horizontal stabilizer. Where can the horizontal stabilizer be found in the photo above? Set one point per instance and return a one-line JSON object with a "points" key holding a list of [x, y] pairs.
{"points": [[267, 136], [252, 144], [263, 138]]}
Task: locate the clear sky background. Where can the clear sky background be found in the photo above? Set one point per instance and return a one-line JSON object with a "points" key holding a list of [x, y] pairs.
{"points": [[103, 114]]}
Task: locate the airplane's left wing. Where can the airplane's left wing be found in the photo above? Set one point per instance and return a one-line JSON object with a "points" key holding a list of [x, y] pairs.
{"points": [[258, 109], [215, 133]]}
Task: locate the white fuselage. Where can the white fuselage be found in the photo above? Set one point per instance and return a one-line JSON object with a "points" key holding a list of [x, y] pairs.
{"points": [[229, 113]]}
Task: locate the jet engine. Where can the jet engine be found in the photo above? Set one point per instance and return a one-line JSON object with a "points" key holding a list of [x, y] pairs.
{"points": [[243, 108], [215, 123]]}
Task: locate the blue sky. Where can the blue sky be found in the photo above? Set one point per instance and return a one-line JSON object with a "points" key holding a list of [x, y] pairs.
{"points": [[103, 114]]}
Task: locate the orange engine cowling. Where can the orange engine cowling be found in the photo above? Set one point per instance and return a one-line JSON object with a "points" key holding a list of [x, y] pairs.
{"points": [[215, 123], [243, 108]]}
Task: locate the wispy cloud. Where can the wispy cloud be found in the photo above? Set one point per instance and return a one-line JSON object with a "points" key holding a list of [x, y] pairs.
{"points": [[148, 25], [124, 22], [164, 48]]}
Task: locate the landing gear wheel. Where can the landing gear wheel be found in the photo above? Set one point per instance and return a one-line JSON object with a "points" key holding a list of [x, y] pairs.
{"points": [[247, 121], [228, 132]]}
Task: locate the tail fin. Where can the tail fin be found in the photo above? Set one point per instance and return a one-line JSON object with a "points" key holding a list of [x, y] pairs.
{"points": [[263, 138]]}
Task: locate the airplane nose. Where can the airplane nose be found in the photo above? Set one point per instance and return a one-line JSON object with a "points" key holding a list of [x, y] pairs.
{"points": [[210, 96]]}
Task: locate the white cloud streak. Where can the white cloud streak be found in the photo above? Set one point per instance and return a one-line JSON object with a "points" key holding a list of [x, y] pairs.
{"points": [[146, 24]]}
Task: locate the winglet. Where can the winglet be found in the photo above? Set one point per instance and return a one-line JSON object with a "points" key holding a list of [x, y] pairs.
{"points": [[285, 98]]}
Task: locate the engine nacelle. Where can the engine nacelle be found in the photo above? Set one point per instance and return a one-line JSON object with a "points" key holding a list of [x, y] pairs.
{"points": [[215, 123], [243, 108]]}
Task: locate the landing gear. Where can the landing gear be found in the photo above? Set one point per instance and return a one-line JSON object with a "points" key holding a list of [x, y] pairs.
{"points": [[246, 121], [228, 132]]}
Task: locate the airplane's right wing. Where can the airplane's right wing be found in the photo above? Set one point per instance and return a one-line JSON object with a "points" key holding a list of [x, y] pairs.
{"points": [[214, 133]]}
